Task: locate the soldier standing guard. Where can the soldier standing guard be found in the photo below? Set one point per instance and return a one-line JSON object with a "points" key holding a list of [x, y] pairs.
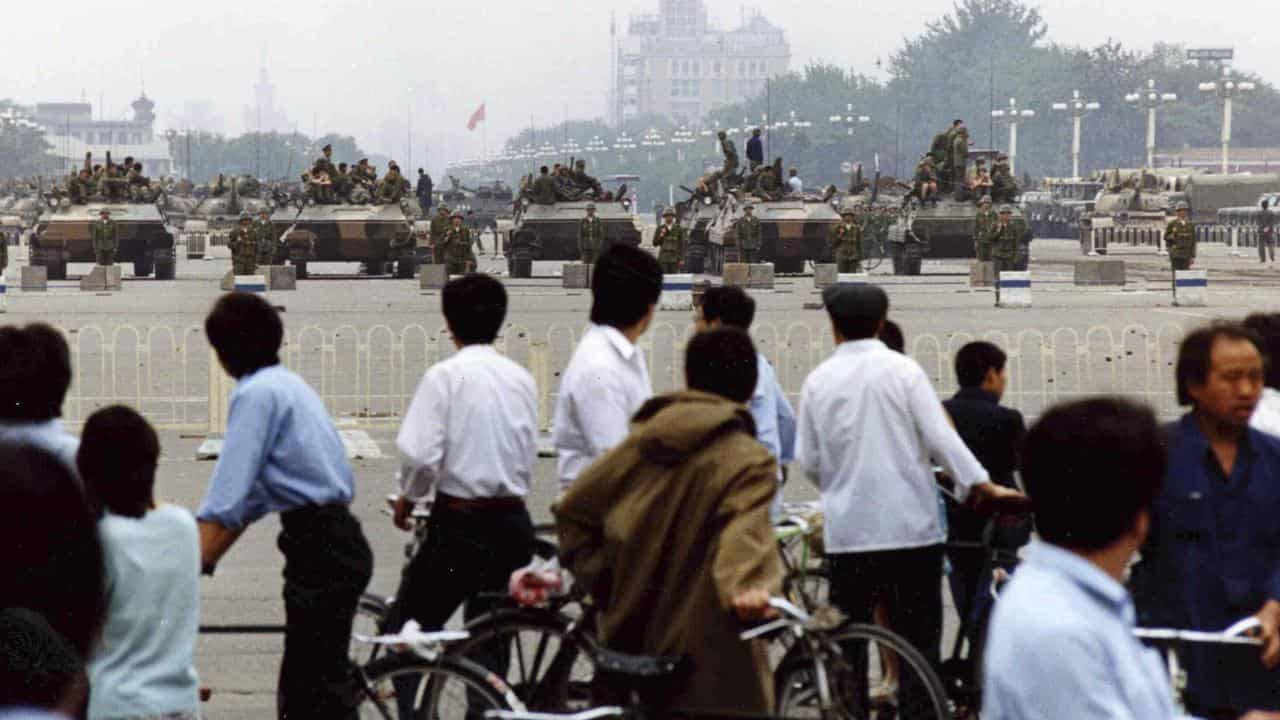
{"points": [[458, 255], [105, 241], [984, 220], [1180, 238], [669, 239], [1003, 237], [265, 238], [439, 228], [590, 235], [846, 240], [748, 231], [244, 247]]}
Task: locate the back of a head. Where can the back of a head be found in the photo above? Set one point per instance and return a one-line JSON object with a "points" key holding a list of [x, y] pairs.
{"points": [[245, 331], [1267, 327], [975, 359], [1090, 467], [35, 372], [722, 362], [729, 304], [50, 553], [119, 451], [474, 307], [891, 335], [37, 664], [856, 310], [625, 282]]}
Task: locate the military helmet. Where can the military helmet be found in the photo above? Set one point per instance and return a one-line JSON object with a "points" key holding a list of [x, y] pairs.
{"points": [[986, 200], [245, 216], [749, 206], [669, 212], [104, 211], [443, 209], [1182, 205], [580, 164], [591, 206], [848, 211], [456, 214], [721, 134], [1006, 209]]}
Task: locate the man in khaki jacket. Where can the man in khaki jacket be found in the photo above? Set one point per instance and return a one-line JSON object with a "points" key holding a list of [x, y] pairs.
{"points": [[670, 531]]}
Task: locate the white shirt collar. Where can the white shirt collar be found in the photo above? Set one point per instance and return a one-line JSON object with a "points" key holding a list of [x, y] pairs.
{"points": [[620, 343], [860, 346]]}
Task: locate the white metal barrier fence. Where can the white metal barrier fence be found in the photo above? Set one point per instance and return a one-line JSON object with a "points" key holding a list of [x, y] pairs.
{"points": [[368, 375]]}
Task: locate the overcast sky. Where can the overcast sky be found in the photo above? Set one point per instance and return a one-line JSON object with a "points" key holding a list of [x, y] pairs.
{"points": [[364, 67]]}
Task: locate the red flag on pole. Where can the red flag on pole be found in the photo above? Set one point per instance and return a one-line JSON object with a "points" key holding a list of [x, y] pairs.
{"points": [[477, 117]]}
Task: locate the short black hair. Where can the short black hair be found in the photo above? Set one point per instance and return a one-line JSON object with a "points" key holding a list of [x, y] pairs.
{"points": [[37, 664], [857, 311], [543, 170], [35, 372], [119, 451], [1265, 204], [956, 122], [1194, 355], [50, 553], [730, 305], [975, 359], [474, 307], [245, 331], [1090, 467], [891, 335], [625, 282], [722, 362], [1267, 327]]}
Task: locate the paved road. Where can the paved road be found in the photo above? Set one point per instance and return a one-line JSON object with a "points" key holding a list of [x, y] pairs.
{"points": [[938, 306]]}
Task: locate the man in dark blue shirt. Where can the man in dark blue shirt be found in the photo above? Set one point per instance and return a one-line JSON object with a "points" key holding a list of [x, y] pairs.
{"points": [[755, 150], [1213, 554]]}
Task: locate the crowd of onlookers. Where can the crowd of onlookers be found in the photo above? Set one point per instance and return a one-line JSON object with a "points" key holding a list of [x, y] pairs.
{"points": [[666, 509]]}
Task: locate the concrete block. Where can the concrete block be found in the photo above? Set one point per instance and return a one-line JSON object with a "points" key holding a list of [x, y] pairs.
{"points": [[677, 292], [982, 274], [576, 276], [760, 276], [824, 274], [1014, 289], [4, 287], [1099, 272], [35, 278], [281, 277], [855, 278], [736, 274], [102, 278], [432, 277], [228, 282], [1190, 288], [250, 283]]}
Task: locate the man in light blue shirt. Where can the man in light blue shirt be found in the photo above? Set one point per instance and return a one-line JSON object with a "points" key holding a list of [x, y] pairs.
{"points": [[1061, 643], [283, 455], [775, 420], [35, 374]]}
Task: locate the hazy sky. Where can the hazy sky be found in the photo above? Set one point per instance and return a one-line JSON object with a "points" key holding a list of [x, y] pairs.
{"points": [[363, 67]]}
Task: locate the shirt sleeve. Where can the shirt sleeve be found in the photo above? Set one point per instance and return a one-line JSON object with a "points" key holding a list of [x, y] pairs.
{"points": [[747, 551], [940, 437], [807, 447], [252, 423], [423, 434], [786, 424]]}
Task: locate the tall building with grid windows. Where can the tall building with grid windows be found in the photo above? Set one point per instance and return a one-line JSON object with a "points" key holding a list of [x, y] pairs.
{"points": [[675, 63]]}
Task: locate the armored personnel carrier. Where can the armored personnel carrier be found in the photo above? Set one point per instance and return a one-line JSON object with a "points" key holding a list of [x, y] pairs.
{"points": [[793, 231], [483, 206], [943, 231], [1055, 211], [64, 235], [376, 236], [1132, 207], [211, 221], [550, 231]]}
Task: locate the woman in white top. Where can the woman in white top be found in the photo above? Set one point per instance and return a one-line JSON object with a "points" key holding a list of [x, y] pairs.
{"points": [[144, 665]]}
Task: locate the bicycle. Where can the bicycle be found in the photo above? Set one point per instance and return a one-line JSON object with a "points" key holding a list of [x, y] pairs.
{"points": [[1170, 640]]}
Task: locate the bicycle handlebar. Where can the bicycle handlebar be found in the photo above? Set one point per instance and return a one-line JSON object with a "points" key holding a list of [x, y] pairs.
{"points": [[1234, 635], [792, 616]]}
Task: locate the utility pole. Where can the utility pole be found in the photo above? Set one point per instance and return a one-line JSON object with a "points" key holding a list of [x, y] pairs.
{"points": [[1078, 109]]}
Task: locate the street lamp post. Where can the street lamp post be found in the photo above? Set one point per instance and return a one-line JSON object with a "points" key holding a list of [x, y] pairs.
{"points": [[680, 138], [1227, 89], [848, 118], [1149, 99], [1012, 116], [1078, 109], [622, 144]]}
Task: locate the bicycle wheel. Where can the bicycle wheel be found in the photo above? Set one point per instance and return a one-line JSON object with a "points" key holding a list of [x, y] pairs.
{"points": [[870, 673], [371, 611], [538, 652], [404, 686]]}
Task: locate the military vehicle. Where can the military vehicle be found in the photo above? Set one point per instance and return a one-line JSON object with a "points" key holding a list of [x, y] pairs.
{"points": [[1247, 215], [1132, 207], [213, 219], [1207, 194], [793, 231], [483, 206], [550, 232], [64, 235], [376, 236], [1056, 209]]}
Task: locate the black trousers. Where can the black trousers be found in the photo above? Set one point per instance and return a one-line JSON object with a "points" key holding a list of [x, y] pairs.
{"points": [[328, 564], [1266, 242], [909, 582]]}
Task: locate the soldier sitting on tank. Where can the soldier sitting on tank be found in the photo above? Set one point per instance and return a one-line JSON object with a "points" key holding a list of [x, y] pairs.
{"points": [[543, 189], [342, 184], [391, 189], [1004, 188], [112, 186], [80, 186], [584, 180], [105, 239], [243, 245], [925, 185]]}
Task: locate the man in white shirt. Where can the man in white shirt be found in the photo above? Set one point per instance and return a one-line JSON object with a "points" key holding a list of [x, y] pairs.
{"points": [[469, 435], [869, 425], [794, 185], [1266, 416], [607, 379]]}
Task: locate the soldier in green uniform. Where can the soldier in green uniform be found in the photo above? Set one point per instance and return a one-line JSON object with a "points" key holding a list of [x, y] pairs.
{"points": [[985, 219], [590, 235], [244, 247], [1003, 237], [544, 188], [391, 189], [325, 161], [959, 160], [1180, 238], [439, 228], [105, 241], [747, 230], [265, 238], [458, 255], [730, 155], [669, 239], [845, 240], [926, 181]]}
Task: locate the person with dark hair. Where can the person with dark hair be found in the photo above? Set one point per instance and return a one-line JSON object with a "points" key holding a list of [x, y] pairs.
{"points": [[50, 565], [145, 664], [869, 424], [469, 435], [1266, 232], [282, 454], [1266, 417], [1213, 555], [994, 435], [669, 532], [892, 337], [423, 191], [731, 306], [35, 374], [607, 379]]}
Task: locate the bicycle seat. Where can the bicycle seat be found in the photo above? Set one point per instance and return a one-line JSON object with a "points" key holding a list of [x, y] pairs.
{"points": [[638, 666]]}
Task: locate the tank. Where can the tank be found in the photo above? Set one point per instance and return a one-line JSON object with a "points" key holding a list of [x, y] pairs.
{"points": [[1132, 207], [482, 207], [1056, 209], [63, 235], [376, 236], [550, 232], [793, 231], [211, 221]]}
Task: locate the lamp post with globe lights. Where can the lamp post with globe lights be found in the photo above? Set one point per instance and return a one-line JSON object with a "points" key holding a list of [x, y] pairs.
{"points": [[681, 137], [1149, 99], [1078, 109], [623, 143], [848, 119], [1227, 89], [1011, 117]]}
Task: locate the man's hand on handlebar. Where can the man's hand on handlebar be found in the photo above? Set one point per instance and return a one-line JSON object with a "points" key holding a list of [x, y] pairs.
{"points": [[1269, 633], [753, 605]]}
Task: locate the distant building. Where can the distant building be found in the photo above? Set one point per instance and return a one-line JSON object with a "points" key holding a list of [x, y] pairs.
{"points": [[263, 115], [71, 131], [676, 64]]}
